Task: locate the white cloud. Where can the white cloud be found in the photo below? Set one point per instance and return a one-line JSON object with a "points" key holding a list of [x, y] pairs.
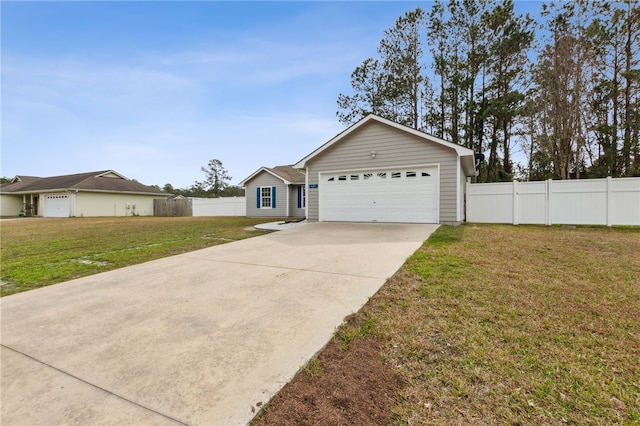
{"points": [[251, 62], [260, 98]]}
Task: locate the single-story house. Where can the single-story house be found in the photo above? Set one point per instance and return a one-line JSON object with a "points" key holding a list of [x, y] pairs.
{"points": [[275, 192], [102, 193], [374, 171], [380, 171]]}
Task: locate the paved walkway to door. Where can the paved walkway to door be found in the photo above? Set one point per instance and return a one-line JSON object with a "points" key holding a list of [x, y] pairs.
{"points": [[201, 338]]}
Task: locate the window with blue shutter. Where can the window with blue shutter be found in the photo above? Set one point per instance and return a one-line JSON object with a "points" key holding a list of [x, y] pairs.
{"points": [[266, 197], [258, 198], [273, 197], [302, 197]]}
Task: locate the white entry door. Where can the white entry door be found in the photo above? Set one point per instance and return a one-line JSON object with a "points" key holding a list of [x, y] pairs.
{"points": [[383, 195], [56, 205]]}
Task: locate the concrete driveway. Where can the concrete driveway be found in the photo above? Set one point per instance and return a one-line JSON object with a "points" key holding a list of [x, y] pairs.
{"points": [[202, 338]]}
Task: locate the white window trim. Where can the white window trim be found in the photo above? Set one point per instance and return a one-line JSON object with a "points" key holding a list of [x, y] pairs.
{"points": [[304, 196], [262, 197]]}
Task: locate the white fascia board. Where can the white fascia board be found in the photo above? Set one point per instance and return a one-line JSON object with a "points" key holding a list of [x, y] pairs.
{"points": [[263, 169], [42, 191], [75, 190], [460, 150], [302, 163], [108, 172]]}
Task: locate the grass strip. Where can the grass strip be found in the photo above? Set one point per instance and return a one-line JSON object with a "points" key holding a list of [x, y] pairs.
{"points": [[39, 252], [516, 325]]}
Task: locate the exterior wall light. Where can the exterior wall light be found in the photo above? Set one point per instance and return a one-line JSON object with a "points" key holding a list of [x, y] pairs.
{"points": [[373, 154]]}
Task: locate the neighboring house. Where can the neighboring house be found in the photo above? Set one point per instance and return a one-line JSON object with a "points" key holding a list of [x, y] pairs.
{"points": [[102, 193], [275, 192], [381, 171]]}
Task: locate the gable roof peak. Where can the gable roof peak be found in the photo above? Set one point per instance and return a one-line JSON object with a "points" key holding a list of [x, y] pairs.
{"points": [[23, 178], [288, 174], [460, 150]]}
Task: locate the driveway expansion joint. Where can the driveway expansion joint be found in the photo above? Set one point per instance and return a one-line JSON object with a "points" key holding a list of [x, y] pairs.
{"points": [[289, 268], [120, 397]]}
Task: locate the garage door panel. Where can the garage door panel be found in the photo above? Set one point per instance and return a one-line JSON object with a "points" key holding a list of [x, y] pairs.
{"points": [[56, 205], [390, 195]]}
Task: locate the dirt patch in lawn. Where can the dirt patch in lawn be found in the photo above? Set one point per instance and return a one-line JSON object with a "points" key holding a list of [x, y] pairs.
{"points": [[323, 393]]}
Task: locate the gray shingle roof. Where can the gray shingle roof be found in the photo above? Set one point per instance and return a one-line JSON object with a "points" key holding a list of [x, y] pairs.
{"points": [[286, 173], [105, 180], [289, 173]]}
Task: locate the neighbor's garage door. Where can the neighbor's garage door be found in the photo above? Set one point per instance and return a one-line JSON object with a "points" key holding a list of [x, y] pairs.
{"points": [[56, 205], [389, 195]]}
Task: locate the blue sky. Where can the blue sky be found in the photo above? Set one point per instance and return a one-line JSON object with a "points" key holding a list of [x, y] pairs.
{"points": [[154, 90]]}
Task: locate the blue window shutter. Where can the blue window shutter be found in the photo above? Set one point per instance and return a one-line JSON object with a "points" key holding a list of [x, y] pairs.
{"points": [[299, 197], [273, 197], [258, 198]]}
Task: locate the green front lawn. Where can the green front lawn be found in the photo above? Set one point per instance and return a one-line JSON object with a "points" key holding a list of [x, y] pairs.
{"points": [[39, 252], [516, 325]]}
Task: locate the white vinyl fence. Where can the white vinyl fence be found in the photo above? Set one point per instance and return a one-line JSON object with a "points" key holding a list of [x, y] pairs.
{"points": [[224, 206], [578, 202]]}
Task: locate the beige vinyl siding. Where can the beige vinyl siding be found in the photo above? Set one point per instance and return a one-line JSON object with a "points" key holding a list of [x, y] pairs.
{"points": [[10, 205], [393, 148], [265, 179], [92, 204]]}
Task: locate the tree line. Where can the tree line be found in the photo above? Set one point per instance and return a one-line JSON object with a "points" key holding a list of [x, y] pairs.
{"points": [[563, 93]]}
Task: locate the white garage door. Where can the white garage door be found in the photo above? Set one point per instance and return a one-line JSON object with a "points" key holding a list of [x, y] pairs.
{"points": [[385, 195], [56, 205]]}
